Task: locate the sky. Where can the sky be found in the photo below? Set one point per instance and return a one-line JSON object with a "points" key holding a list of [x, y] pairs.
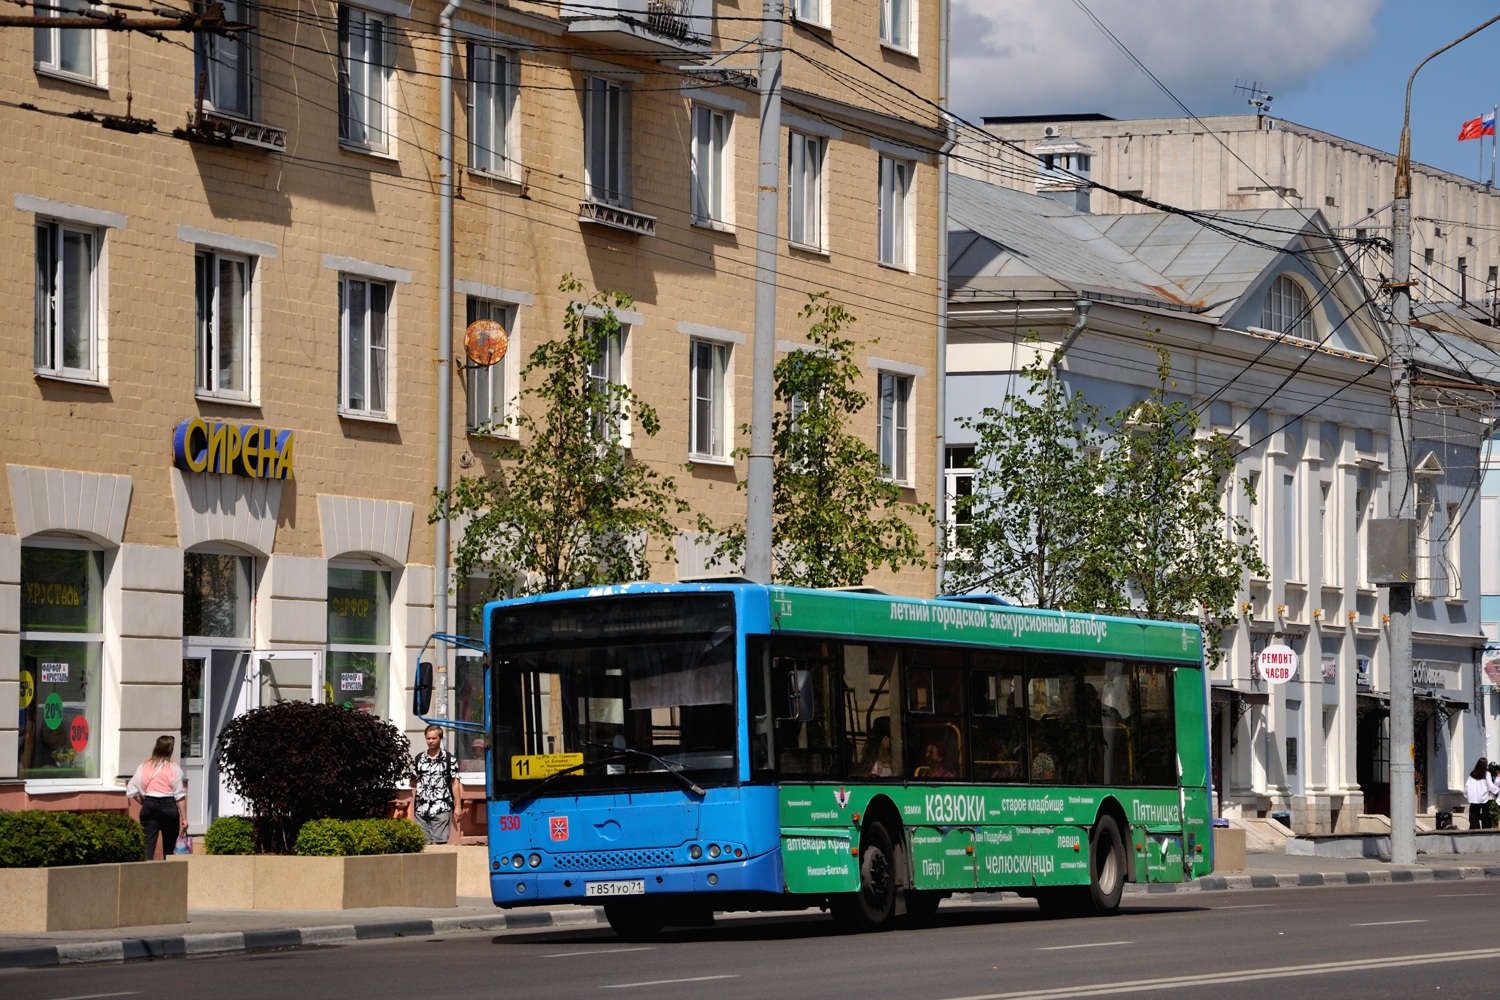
{"points": [[1339, 66]]}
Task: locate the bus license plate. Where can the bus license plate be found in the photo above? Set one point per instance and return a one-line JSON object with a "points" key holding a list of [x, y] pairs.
{"points": [[624, 887]]}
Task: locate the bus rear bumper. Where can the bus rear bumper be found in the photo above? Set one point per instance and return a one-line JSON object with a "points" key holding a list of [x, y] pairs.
{"points": [[753, 875]]}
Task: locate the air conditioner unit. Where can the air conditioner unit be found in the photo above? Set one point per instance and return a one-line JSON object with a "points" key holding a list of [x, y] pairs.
{"points": [[1050, 132]]}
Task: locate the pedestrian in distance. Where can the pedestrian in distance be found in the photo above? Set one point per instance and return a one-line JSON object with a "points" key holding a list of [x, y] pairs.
{"points": [[435, 788], [157, 784], [1479, 789]]}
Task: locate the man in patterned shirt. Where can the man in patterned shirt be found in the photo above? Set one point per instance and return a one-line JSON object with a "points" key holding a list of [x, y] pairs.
{"points": [[435, 788]]}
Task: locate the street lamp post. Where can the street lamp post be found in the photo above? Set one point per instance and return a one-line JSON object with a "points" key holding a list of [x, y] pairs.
{"points": [[1403, 769]]}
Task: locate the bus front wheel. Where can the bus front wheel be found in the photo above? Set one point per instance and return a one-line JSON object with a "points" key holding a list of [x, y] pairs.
{"points": [[873, 906]]}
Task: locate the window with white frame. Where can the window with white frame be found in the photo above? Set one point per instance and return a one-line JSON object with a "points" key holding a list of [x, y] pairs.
{"points": [[1427, 542], [1287, 309], [364, 313], [895, 426], [357, 666], [811, 11], [67, 317], [709, 418], [711, 187], [365, 58], [488, 393], [1291, 529], [61, 661], [1329, 525], [895, 211], [1452, 551], [805, 190], [605, 134], [896, 23], [1364, 512], [223, 324], [958, 467], [492, 105], [69, 51], [1258, 516], [607, 368], [224, 67]]}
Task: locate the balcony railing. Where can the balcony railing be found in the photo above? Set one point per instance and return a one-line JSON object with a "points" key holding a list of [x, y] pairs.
{"points": [[658, 26], [615, 217]]}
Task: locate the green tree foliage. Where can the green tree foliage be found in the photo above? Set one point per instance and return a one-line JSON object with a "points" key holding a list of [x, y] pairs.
{"points": [[1175, 554], [567, 506], [295, 761], [1029, 527], [829, 484], [1121, 516]]}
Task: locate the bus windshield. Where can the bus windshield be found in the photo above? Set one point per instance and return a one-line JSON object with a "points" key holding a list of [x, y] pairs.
{"points": [[616, 689]]}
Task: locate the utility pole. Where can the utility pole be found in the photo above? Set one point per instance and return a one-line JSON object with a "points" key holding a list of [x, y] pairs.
{"points": [[760, 474], [1403, 768]]}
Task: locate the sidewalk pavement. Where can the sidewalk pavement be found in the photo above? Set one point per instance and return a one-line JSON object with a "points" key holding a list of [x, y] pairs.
{"points": [[223, 931]]}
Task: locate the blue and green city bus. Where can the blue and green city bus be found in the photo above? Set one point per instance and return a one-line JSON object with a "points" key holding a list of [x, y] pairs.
{"points": [[669, 751]]}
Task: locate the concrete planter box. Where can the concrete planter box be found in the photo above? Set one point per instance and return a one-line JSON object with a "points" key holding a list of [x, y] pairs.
{"points": [[282, 882], [1229, 849], [91, 897]]}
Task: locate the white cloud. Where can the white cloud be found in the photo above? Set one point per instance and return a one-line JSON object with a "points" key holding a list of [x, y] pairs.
{"points": [[1022, 57]]}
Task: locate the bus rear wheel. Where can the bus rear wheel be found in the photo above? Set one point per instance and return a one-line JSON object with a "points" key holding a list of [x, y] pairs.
{"points": [[873, 906], [635, 920], [1101, 897]]}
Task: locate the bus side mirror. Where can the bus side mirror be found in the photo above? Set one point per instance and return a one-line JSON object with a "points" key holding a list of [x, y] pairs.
{"points": [[799, 696], [421, 692]]}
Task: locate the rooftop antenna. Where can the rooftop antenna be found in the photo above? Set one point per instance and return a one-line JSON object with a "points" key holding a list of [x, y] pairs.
{"points": [[1258, 97]]}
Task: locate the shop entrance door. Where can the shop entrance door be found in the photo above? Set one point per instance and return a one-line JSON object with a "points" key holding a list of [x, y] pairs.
{"points": [[217, 685]]}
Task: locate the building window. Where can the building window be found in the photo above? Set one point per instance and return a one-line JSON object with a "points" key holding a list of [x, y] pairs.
{"points": [[62, 643], [605, 128], [1329, 526], [492, 105], [68, 51], [607, 369], [958, 464], [1291, 529], [488, 398], [1452, 551], [710, 364], [895, 423], [67, 300], [216, 595], [1287, 309], [811, 11], [363, 314], [223, 352], [896, 23], [224, 64], [364, 72], [1364, 512], [895, 212], [710, 165], [805, 199], [359, 651]]}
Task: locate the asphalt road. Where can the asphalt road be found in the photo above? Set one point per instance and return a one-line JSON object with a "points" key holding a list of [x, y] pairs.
{"points": [[1424, 939]]}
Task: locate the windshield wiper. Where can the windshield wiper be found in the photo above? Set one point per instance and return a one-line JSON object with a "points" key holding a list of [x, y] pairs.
{"points": [[620, 753], [688, 784]]}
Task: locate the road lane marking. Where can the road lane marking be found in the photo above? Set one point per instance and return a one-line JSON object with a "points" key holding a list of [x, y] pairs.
{"points": [[1096, 944], [99, 996], [664, 982], [1247, 906], [1239, 976], [1389, 923], [1461, 895], [603, 951]]}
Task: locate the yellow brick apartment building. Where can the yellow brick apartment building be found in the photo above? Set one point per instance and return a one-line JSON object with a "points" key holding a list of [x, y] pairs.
{"points": [[220, 454]]}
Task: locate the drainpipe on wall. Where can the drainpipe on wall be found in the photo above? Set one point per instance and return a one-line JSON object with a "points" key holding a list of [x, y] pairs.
{"points": [[1083, 306], [444, 350], [941, 500]]}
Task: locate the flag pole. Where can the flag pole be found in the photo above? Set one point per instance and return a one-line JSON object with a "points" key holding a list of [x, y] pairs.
{"points": [[1494, 115]]}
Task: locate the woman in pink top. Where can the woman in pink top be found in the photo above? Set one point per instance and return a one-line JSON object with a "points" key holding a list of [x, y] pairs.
{"points": [[158, 784]]}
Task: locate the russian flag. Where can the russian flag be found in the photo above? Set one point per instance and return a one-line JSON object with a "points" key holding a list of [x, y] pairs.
{"points": [[1481, 126]]}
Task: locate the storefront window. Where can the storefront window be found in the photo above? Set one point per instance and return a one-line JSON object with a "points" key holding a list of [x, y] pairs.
{"points": [[61, 651], [216, 595], [468, 675], [359, 652]]}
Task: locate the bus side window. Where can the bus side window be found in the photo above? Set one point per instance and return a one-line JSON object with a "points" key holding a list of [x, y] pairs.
{"points": [[998, 728], [803, 677]]}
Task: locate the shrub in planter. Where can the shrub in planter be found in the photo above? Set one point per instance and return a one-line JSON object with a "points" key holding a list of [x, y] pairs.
{"points": [[347, 838], [39, 838], [294, 761], [230, 835]]}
